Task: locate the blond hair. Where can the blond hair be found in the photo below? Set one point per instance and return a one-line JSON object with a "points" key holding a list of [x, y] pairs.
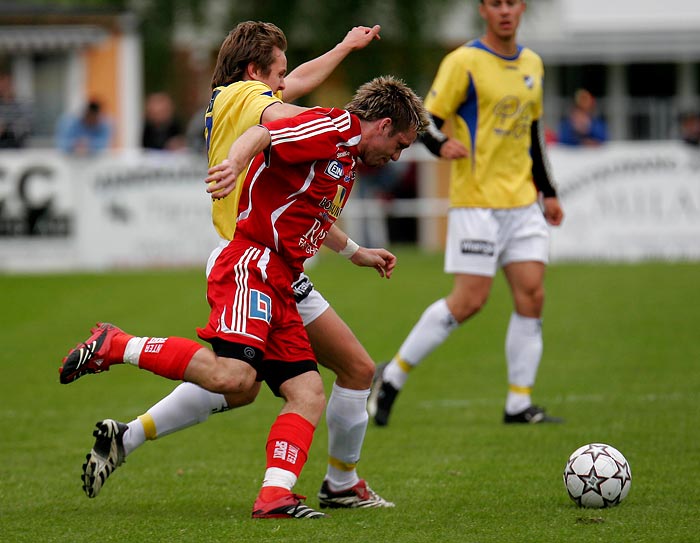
{"points": [[387, 96]]}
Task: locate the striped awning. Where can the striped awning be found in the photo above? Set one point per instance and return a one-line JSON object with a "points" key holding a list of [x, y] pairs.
{"points": [[22, 38]]}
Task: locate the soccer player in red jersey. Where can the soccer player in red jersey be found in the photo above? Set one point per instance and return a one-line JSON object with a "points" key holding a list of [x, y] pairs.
{"points": [[248, 84], [293, 193]]}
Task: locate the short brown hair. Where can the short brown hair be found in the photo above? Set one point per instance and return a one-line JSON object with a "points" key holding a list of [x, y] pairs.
{"points": [[249, 41], [387, 96]]}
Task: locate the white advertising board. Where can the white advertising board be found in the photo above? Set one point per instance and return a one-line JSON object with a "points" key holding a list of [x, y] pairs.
{"points": [[628, 202], [115, 211], [623, 202]]}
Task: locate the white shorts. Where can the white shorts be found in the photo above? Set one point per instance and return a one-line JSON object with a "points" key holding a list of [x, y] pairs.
{"points": [[480, 240], [310, 302], [311, 307]]}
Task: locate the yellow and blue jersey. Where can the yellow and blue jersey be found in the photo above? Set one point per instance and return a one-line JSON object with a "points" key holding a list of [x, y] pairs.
{"points": [[492, 102], [232, 110]]}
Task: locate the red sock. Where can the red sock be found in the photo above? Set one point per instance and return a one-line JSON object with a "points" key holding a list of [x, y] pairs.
{"points": [[168, 357], [288, 442], [118, 346]]}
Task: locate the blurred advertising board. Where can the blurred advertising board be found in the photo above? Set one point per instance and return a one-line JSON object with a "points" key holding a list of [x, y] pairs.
{"points": [[121, 210], [623, 202], [628, 202]]}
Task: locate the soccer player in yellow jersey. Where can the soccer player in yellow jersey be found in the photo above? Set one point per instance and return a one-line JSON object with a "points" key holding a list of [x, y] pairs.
{"points": [[249, 82], [491, 91]]}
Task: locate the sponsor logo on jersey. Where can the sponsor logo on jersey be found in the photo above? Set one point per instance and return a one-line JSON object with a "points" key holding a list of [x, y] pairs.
{"points": [[342, 154], [477, 247], [513, 117], [508, 107], [336, 206], [312, 240], [334, 169]]}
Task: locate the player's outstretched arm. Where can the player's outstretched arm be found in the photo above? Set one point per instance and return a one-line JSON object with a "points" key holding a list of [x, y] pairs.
{"points": [[380, 259], [222, 177], [306, 77], [280, 110]]}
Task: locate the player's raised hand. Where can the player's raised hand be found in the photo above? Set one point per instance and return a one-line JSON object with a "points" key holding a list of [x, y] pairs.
{"points": [[361, 36], [380, 259], [222, 179]]}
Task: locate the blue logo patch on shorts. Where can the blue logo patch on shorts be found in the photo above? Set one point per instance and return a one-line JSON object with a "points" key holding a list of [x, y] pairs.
{"points": [[260, 306]]}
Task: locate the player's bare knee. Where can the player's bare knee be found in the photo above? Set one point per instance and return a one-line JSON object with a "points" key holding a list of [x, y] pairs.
{"points": [[465, 309], [361, 373], [229, 379], [353, 370], [530, 302], [315, 403], [304, 394], [240, 399]]}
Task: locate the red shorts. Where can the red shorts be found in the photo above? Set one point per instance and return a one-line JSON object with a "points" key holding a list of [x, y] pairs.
{"points": [[252, 303]]}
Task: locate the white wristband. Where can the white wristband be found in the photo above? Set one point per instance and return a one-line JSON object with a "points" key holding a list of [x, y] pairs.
{"points": [[350, 249]]}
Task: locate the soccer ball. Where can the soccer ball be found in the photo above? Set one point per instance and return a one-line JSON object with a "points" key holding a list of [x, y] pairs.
{"points": [[597, 475]]}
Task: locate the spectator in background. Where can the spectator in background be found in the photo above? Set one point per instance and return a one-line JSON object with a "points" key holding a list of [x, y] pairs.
{"points": [[84, 134], [161, 128], [690, 128], [15, 117], [583, 126]]}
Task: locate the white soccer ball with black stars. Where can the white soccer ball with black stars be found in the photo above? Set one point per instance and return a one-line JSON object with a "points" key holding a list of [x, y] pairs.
{"points": [[597, 475]]}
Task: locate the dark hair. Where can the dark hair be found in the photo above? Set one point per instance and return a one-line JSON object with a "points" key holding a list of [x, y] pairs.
{"points": [[250, 41], [387, 96]]}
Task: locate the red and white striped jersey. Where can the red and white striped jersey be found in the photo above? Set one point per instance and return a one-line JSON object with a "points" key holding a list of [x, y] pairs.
{"points": [[295, 191]]}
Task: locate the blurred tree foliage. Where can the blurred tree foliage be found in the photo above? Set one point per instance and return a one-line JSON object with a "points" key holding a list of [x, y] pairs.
{"points": [[157, 23], [409, 48]]}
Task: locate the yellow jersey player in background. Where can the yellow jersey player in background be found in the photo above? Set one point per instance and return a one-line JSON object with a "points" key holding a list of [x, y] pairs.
{"points": [[490, 89], [249, 81]]}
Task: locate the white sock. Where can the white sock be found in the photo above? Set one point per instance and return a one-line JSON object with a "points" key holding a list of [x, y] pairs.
{"points": [[185, 406], [133, 349], [134, 437], [523, 355], [279, 477], [346, 417], [431, 330]]}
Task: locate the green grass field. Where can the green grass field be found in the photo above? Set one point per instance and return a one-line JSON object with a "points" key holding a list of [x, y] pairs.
{"points": [[621, 365]]}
